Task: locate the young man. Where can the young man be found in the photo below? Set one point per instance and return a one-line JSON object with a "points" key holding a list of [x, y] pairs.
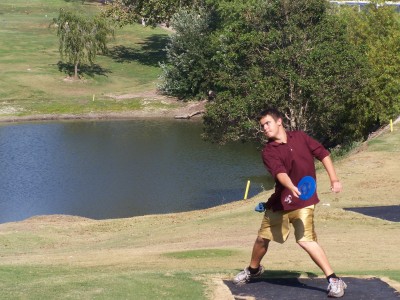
{"points": [[289, 156]]}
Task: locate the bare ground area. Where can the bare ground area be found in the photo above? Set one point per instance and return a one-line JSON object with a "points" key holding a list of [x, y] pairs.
{"points": [[353, 242], [172, 108]]}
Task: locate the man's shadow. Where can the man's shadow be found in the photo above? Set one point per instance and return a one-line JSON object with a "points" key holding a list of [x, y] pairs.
{"points": [[279, 279]]}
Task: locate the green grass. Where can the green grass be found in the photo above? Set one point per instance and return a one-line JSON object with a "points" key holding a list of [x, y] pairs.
{"points": [[34, 78], [38, 282], [202, 253], [390, 142], [393, 275], [35, 282]]}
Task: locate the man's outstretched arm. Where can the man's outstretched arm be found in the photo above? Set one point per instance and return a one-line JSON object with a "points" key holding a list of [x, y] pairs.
{"points": [[336, 185]]}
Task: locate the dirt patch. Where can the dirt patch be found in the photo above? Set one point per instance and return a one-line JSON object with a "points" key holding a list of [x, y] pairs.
{"points": [[9, 110], [148, 95], [171, 108]]}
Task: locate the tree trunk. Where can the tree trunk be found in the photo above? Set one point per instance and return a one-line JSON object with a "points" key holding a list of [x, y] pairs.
{"points": [[188, 116], [76, 71]]}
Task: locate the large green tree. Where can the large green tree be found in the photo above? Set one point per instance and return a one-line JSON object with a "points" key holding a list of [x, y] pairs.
{"points": [[189, 71], [292, 54], [81, 37], [376, 29]]}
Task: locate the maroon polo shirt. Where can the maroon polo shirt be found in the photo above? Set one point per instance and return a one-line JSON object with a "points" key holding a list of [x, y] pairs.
{"points": [[295, 158]]}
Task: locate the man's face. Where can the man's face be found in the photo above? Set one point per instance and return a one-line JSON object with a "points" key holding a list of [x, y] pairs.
{"points": [[270, 127]]}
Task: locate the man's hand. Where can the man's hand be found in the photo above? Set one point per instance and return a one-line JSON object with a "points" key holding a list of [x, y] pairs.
{"points": [[336, 186], [295, 191], [287, 183]]}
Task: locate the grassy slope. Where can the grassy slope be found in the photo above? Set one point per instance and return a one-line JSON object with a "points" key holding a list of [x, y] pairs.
{"points": [[31, 82], [177, 255]]}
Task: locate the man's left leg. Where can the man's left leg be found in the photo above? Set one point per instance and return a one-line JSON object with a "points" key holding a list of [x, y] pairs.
{"points": [[318, 255], [303, 222], [336, 285]]}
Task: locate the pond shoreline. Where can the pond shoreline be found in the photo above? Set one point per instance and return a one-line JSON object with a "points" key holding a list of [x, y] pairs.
{"points": [[184, 109]]}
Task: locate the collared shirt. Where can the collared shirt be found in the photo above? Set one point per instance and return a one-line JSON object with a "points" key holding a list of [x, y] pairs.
{"points": [[296, 159]]}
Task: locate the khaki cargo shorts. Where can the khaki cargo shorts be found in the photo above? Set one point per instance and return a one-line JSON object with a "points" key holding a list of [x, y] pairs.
{"points": [[275, 225]]}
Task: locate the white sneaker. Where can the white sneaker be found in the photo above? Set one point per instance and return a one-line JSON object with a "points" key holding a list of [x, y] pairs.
{"points": [[245, 276], [336, 288]]}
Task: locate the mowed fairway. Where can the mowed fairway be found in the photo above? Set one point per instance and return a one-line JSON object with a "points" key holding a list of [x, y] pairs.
{"points": [[34, 82]]}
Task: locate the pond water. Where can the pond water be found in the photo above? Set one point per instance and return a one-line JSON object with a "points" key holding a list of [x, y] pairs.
{"points": [[116, 169]]}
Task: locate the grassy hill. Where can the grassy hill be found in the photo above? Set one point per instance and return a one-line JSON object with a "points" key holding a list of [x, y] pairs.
{"points": [[34, 81]]}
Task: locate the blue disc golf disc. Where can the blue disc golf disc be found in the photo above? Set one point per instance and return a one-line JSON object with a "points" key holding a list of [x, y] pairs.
{"points": [[306, 187]]}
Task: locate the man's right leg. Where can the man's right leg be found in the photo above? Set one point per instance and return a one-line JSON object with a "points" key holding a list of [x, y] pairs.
{"points": [[274, 227], [255, 268], [260, 248]]}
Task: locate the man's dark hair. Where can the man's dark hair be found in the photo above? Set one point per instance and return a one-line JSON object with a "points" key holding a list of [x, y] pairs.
{"points": [[273, 112]]}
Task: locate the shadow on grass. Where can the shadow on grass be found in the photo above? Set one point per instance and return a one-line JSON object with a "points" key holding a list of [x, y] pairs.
{"points": [[151, 52], [270, 274], [274, 281], [89, 70]]}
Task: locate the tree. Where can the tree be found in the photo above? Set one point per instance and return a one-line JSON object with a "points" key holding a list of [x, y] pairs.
{"points": [[292, 54], [189, 70], [81, 38], [151, 12], [376, 29]]}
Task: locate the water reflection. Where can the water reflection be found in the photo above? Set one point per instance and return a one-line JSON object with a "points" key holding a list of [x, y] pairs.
{"points": [[119, 169]]}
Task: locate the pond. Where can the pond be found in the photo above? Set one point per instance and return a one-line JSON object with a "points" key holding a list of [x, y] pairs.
{"points": [[117, 169]]}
